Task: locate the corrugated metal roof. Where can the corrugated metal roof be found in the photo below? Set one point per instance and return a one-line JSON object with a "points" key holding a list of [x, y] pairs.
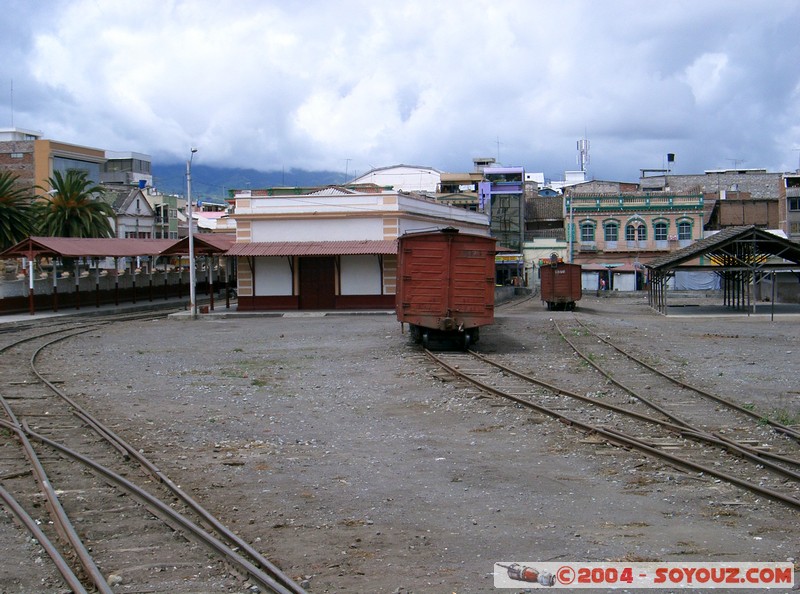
{"points": [[313, 248], [204, 243], [763, 243], [78, 247], [332, 191]]}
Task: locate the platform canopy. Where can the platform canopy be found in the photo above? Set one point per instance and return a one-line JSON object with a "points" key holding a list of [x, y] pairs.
{"points": [[83, 247], [205, 244], [740, 255], [742, 248]]}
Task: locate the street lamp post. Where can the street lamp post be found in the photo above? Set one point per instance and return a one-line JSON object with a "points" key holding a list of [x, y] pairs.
{"points": [[192, 300], [571, 229]]}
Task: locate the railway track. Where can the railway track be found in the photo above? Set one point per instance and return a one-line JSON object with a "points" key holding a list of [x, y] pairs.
{"points": [[719, 414], [636, 407], [103, 513]]}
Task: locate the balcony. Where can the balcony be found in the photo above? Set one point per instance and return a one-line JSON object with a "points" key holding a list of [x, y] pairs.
{"points": [[559, 234], [635, 203]]}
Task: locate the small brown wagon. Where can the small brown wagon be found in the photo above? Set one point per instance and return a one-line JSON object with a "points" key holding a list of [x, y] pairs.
{"points": [[445, 285], [561, 284]]}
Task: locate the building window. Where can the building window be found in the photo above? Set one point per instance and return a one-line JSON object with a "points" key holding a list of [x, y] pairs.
{"points": [[635, 234], [65, 164], [684, 231], [660, 231], [587, 233], [611, 232], [794, 203]]}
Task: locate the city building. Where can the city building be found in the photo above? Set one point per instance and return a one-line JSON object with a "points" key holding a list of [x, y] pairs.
{"points": [[459, 189], [167, 222], [134, 216], [402, 178], [503, 191], [334, 248], [609, 231], [789, 206], [127, 168], [733, 197], [35, 159]]}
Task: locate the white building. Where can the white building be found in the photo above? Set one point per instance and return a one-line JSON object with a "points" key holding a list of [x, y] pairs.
{"points": [[332, 249], [405, 178]]}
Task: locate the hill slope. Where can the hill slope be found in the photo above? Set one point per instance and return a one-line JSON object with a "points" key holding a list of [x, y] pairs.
{"points": [[217, 181]]}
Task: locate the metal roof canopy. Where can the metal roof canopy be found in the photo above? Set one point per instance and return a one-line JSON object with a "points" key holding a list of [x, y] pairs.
{"points": [[740, 255], [83, 247], [86, 247], [313, 248], [204, 244]]}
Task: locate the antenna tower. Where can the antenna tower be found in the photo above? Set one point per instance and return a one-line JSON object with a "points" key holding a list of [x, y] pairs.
{"points": [[583, 153], [736, 162]]}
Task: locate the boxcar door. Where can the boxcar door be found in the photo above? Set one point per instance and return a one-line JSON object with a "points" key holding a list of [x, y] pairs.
{"points": [[317, 283]]}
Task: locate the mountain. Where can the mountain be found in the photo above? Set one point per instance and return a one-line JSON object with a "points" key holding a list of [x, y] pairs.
{"points": [[217, 181]]}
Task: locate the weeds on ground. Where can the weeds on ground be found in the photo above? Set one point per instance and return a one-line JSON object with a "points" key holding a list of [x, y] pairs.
{"points": [[784, 417]]}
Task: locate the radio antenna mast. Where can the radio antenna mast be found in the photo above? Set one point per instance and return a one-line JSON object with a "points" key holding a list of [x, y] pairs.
{"points": [[583, 153], [736, 162]]}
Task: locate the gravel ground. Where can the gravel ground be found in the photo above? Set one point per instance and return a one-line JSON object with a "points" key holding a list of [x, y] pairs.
{"points": [[337, 449]]}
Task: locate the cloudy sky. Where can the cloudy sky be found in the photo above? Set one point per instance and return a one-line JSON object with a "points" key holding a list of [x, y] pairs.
{"points": [[348, 85]]}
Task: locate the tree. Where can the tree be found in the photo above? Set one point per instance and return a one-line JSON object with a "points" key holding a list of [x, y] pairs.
{"points": [[15, 222], [71, 208]]}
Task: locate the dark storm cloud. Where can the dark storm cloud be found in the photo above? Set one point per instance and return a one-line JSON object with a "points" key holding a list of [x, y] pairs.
{"points": [[316, 84]]}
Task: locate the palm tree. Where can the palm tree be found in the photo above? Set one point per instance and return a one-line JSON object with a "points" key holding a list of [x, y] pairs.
{"points": [[71, 209], [15, 222]]}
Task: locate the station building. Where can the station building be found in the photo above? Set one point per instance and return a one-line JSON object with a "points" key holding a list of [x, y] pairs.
{"points": [[334, 248]]}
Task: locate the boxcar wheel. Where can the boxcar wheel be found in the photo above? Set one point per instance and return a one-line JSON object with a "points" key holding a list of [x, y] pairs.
{"points": [[425, 339]]}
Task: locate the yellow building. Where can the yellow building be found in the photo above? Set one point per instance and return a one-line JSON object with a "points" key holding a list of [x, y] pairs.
{"points": [[34, 159]]}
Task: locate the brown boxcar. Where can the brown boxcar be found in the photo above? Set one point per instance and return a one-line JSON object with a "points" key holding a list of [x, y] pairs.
{"points": [[445, 284], [561, 285]]}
